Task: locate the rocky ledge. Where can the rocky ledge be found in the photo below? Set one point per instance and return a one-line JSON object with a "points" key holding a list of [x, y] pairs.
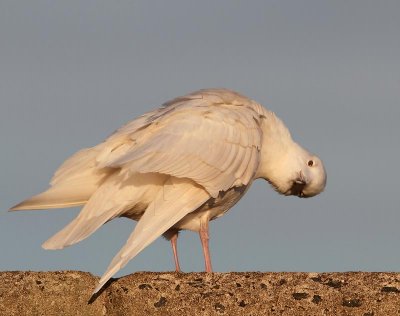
{"points": [[246, 293]]}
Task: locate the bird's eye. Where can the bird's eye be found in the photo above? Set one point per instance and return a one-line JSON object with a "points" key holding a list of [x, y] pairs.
{"points": [[310, 163]]}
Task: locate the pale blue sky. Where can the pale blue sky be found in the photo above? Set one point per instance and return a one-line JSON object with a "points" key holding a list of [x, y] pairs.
{"points": [[72, 72]]}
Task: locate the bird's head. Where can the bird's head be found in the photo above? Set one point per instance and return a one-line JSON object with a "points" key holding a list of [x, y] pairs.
{"points": [[306, 176], [290, 168], [296, 172]]}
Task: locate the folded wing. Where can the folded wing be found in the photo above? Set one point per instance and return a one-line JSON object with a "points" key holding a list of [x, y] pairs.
{"points": [[177, 198], [112, 199], [216, 146]]}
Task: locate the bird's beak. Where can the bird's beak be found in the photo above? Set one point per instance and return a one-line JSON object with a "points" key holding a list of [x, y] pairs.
{"points": [[301, 179]]}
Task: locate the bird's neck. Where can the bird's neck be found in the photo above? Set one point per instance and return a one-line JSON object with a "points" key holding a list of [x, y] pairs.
{"points": [[276, 151]]}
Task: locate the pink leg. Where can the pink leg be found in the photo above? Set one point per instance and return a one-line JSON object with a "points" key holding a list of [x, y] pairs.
{"points": [[204, 237], [175, 251]]}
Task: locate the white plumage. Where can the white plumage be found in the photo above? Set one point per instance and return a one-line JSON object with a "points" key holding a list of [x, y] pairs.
{"points": [[177, 167]]}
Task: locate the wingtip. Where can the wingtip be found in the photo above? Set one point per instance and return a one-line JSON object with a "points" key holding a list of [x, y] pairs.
{"points": [[98, 288], [103, 280], [47, 245], [107, 276], [27, 205], [17, 207]]}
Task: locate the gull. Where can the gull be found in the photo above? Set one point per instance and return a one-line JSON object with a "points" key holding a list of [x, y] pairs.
{"points": [[177, 168]]}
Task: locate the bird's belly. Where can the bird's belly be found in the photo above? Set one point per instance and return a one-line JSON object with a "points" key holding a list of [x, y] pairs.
{"points": [[212, 209]]}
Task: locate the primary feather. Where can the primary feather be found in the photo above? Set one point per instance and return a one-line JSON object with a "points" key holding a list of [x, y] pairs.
{"points": [[177, 167]]}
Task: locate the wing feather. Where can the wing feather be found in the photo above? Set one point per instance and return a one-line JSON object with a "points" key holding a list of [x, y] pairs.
{"points": [[210, 143], [243, 165], [178, 198], [110, 200]]}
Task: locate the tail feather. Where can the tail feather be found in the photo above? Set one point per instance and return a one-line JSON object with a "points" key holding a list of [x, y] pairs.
{"points": [[72, 185], [56, 197], [66, 194]]}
